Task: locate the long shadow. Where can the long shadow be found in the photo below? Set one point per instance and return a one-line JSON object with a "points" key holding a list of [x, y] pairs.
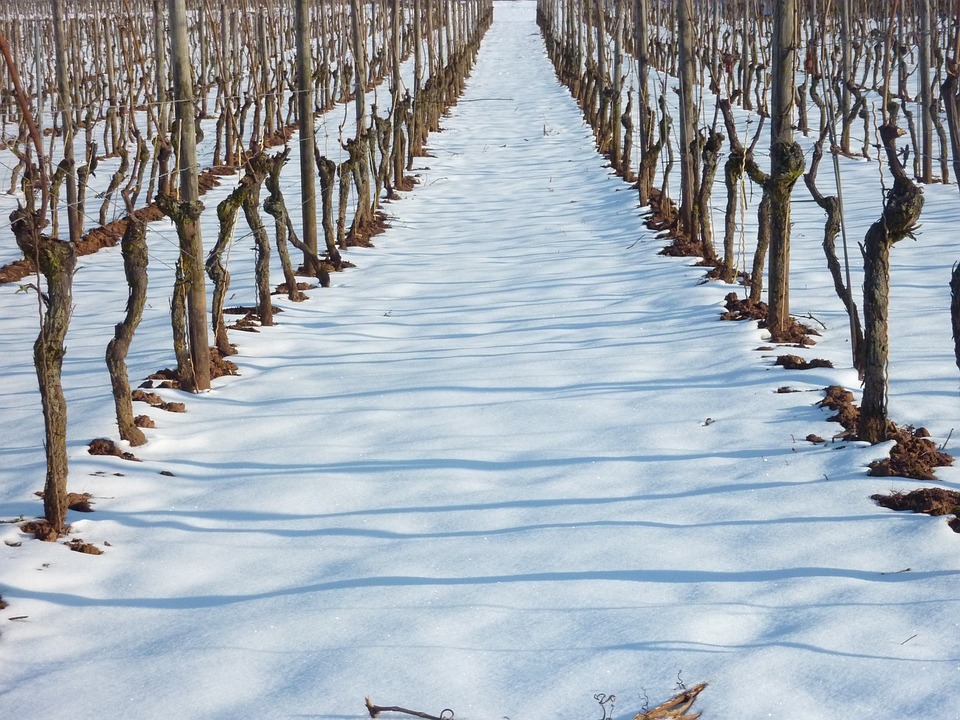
{"points": [[255, 516], [687, 646], [658, 577], [395, 465], [230, 519]]}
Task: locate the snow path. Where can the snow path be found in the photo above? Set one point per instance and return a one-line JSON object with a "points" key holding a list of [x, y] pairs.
{"points": [[511, 461]]}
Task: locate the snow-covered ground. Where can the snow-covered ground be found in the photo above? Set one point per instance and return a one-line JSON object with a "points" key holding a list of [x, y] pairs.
{"points": [[510, 461]]}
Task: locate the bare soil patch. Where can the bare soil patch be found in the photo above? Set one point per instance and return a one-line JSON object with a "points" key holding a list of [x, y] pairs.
{"points": [[109, 235], [99, 237]]}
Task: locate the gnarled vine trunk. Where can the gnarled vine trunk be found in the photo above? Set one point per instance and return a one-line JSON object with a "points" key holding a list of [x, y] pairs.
{"points": [[133, 245]]}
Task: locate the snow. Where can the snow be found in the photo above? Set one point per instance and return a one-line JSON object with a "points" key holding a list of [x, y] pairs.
{"points": [[510, 461]]}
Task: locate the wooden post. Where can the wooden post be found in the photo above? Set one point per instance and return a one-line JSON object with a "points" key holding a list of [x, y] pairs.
{"points": [[359, 64], [270, 97], [191, 242], [229, 141], [202, 86], [112, 100], [399, 161], [165, 180], [415, 147], [616, 160], [846, 26], [647, 167], [689, 152], [786, 164], [746, 58], [308, 184], [926, 94], [66, 112], [38, 64]]}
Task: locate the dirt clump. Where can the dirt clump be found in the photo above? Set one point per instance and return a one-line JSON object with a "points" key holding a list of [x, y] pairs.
{"points": [[40, 529], [682, 246], [914, 455], [743, 309], [929, 501], [737, 308], [298, 296], [80, 502], [406, 183], [75, 501], [154, 400], [796, 333], [840, 400], [795, 362], [250, 322], [220, 366], [363, 236], [663, 217], [105, 446], [78, 545], [168, 379]]}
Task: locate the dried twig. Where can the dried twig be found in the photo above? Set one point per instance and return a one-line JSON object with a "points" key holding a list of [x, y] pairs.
{"points": [[810, 316], [375, 710]]}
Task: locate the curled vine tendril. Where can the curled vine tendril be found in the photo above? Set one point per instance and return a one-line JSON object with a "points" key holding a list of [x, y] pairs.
{"points": [[606, 700]]}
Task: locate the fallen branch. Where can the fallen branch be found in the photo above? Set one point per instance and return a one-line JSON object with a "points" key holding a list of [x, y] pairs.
{"points": [[675, 707]]}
